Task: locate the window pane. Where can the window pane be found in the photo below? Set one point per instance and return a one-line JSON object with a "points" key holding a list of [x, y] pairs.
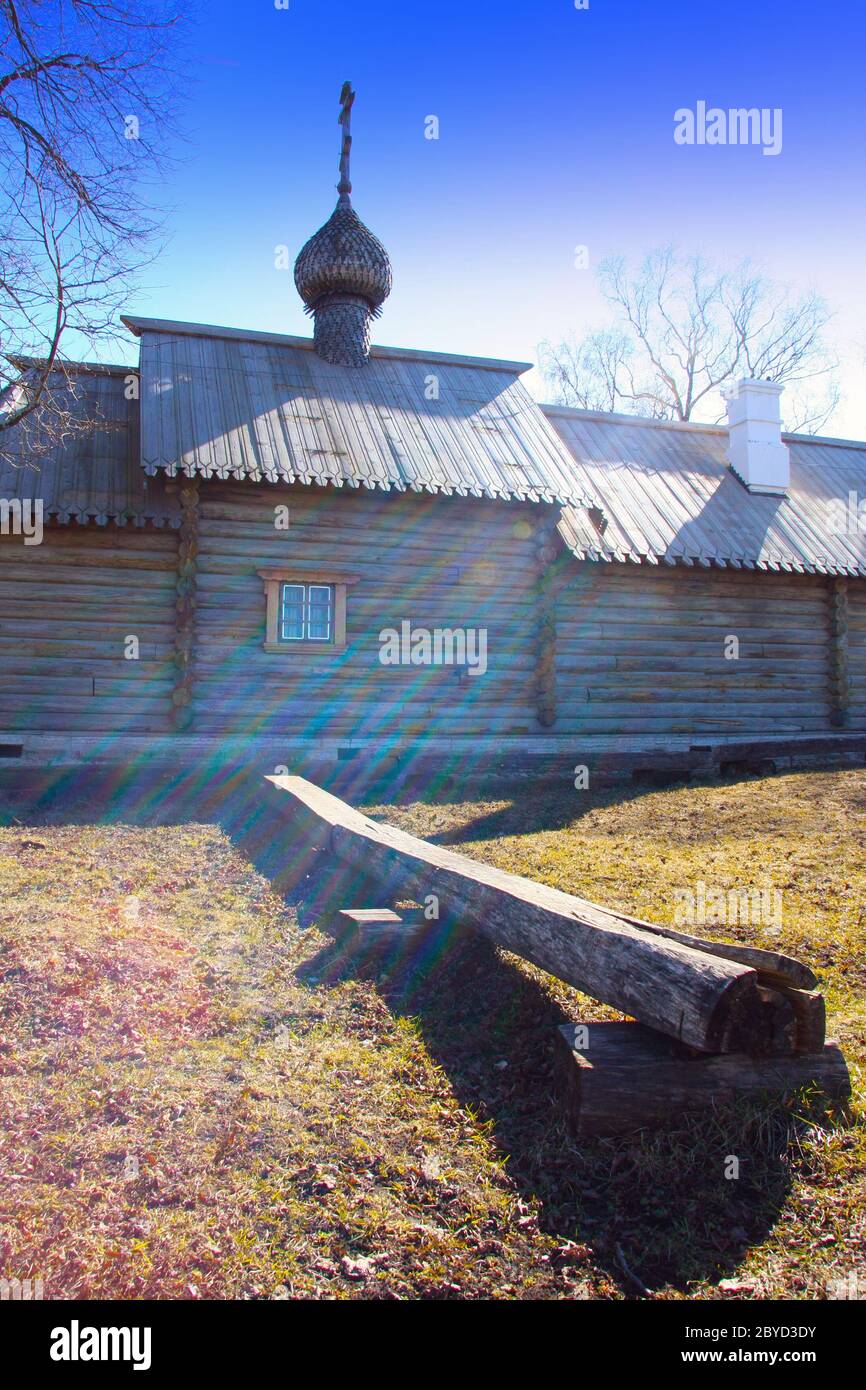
{"points": [[320, 612], [306, 613], [292, 613]]}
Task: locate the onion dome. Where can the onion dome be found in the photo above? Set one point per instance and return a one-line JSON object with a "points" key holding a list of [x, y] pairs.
{"points": [[343, 273], [344, 257]]}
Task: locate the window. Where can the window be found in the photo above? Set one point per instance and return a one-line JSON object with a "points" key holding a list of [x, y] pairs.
{"points": [[305, 612]]}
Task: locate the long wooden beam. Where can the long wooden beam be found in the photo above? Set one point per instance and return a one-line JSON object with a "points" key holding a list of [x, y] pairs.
{"points": [[703, 999]]}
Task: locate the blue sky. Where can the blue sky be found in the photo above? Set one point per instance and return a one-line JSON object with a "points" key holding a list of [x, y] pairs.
{"points": [[556, 130]]}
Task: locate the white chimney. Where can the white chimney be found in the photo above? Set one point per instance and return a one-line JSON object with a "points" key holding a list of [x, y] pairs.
{"points": [[755, 449]]}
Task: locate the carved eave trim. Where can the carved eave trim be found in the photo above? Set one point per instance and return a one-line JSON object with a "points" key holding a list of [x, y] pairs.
{"points": [[296, 574]]}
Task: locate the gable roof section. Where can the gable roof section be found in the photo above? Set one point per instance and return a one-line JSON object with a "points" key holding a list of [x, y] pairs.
{"points": [[94, 472], [228, 404], [669, 496]]}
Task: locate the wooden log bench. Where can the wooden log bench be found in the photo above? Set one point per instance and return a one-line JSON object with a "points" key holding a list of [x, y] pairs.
{"points": [[719, 999]]}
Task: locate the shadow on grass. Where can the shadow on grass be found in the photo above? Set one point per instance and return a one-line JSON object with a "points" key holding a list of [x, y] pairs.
{"points": [[654, 1209], [658, 1208], [218, 791]]}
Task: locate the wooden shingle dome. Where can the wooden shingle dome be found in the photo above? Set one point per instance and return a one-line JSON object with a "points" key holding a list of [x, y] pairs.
{"points": [[343, 273]]}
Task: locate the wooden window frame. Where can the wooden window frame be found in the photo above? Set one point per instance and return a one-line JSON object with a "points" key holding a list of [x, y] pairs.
{"points": [[274, 579]]}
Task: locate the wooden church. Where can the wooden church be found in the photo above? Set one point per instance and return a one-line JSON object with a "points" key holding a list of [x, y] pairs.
{"points": [[290, 546]]}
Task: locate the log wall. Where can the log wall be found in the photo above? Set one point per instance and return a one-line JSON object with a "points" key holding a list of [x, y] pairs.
{"points": [[599, 649], [642, 650], [857, 653], [434, 561], [66, 609]]}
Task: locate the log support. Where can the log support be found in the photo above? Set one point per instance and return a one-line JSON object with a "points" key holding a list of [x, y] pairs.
{"points": [[184, 640], [545, 629], [375, 926], [840, 676], [620, 1077]]}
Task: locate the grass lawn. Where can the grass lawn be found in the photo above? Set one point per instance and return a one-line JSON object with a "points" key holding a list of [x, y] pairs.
{"points": [[201, 1097]]}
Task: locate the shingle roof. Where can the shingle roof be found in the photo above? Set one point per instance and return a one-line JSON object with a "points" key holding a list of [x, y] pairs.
{"points": [[668, 495], [225, 403], [94, 473], [220, 402]]}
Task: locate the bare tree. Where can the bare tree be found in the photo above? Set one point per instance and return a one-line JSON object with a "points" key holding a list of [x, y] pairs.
{"points": [[86, 99], [683, 329]]}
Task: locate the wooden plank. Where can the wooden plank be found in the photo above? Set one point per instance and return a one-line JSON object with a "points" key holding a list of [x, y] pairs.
{"points": [[706, 1001], [382, 926]]}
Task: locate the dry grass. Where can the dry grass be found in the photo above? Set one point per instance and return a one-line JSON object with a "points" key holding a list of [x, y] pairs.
{"points": [[796, 1218], [288, 1139], [200, 1098]]}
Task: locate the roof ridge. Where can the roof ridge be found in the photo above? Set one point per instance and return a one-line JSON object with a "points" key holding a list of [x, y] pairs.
{"points": [[138, 325], [686, 426], [618, 418]]}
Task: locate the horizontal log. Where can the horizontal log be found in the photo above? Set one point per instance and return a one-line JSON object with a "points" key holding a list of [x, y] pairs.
{"points": [[101, 721], [623, 627], [757, 691], [153, 679], [708, 606], [102, 561], [33, 632], [674, 667], [618, 572], [616, 722], [620, 1077], [701, 999], [687, 646]]}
